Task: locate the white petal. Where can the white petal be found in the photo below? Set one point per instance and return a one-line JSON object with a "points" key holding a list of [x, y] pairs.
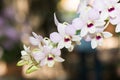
{"points": [[70, 30], [77, 23], [51, 63], [34, 34], [94, 16], [107, 34], [70, 49], [104, 15], [55, 20], [59, 59], [117, 28], [38, 55], [68, 44], [61, 44], [23, 53], [34, 41], [55, 37], [43, 62], [61, 28], [76, 38], [84, 32], [100, 42], [93, 43], [56, 51], [92, 30]]}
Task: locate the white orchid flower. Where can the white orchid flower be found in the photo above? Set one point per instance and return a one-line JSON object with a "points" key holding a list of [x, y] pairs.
{"points": [[36, 39], [98, 39], [50, 56], [64, 37]]}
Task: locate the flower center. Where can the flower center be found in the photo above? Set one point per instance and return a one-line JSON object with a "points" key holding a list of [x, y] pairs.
{"points": [[90, 25], [50, 57], [98, 37], [111, 9], [67, 38]]}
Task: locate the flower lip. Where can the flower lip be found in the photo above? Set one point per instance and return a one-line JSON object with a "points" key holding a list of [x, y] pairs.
{"points": [[66, 39], [98, 37], [111, 9], [90, 25], [50, 58]]}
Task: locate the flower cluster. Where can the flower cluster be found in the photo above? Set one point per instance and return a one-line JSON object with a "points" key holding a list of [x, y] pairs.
{"points": [[93, 19]]}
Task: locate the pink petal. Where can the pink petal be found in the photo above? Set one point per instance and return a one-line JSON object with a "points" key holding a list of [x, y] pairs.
{"points": [[77, 23], [43, 62], [55, 37], [56, 51], [93, 14], [70, 30]]}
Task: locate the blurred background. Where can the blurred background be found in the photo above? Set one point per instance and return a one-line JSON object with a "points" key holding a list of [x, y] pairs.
{"points": [[18, 18]]}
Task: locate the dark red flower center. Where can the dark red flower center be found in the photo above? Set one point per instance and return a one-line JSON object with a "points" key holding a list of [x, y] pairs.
{"points": [[90, 25], [50, 58], [98, 37], [111, 9], [66, 39]]}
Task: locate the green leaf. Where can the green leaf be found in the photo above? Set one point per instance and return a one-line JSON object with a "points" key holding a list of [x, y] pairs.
{"points": [[22, 62], [31, 69], [78, 32]]}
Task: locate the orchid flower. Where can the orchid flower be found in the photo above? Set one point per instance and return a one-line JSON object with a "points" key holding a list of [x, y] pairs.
{"points": [[50, 56], [26, 56], [65, 35], [36, 39], [91, 22], [98, 39]]}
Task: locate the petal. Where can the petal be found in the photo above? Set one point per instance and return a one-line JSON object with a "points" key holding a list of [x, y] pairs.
{"points": [[70, 49], [93, 43], [100, 42], [61, 28], [68, 44], [55, 20], [55, 37], [99, 5], [56, 51], [84, 31], [117, 28], [46, 50], [43, 62], [99, 23], [94, 16], [104, 15], [34, 34], [92, 30], [76, 38], [34, 41], [51, 63], [61, 44], [24, 53], [77, 23], [70, 30], [38, 55], [107, 34], [59, 59]]}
